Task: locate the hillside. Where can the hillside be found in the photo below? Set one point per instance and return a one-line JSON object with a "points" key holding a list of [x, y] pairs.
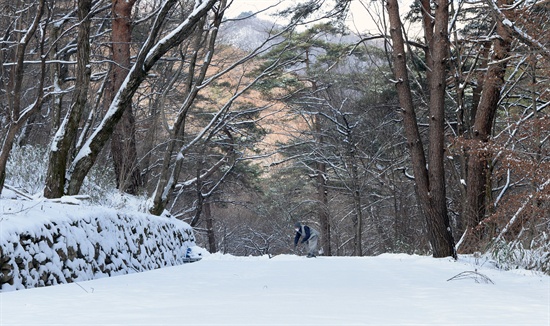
{"points": [[246, 32]]}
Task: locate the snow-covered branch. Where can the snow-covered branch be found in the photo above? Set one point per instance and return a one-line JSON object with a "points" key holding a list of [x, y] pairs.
{"points": [[512, 28]]}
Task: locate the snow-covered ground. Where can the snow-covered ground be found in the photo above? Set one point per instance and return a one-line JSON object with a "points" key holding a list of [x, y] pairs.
{"points": [[289, 290], [391, 289]]}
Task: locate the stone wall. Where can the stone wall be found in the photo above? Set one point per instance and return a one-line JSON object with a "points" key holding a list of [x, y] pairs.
{"points": [[66, 250]]}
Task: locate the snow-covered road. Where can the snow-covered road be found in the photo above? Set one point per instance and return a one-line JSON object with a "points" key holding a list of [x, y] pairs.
{"points": [[290, 290]]}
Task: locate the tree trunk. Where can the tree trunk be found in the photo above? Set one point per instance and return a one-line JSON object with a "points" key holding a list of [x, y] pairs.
{"points": [[438, 221], [477, 181], [356, 188], [123, 141], [358, 238], [478, 89], [210, 228], [428, 27], [430, 185], [323, 211], [322, 194], [64, 138], [7, 145]]}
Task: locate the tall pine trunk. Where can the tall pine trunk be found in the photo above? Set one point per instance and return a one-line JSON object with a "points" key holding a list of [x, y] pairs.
{"points": [[429, 179], [123, 141], [438, 222], [478, 187]]}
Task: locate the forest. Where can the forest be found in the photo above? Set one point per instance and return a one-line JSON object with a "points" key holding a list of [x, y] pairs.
{"points": [[429, 136]]}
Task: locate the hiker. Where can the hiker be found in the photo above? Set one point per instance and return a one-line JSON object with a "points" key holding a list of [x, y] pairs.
{"points": [[309, 235]]}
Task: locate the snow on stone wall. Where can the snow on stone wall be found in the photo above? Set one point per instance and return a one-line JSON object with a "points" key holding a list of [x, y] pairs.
{"points": [[45, 243]]}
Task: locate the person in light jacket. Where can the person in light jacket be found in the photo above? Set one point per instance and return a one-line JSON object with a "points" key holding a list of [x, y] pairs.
{"points": [[309, 235]]}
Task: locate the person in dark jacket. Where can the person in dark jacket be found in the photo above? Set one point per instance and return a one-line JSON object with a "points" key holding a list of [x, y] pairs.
{"points": [[309, 235]]}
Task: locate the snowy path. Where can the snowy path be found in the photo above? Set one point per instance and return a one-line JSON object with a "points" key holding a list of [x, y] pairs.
{"points": [[290, 290]]}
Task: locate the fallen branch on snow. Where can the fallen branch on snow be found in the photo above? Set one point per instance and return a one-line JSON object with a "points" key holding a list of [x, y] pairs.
{"points": [[475, 275]]}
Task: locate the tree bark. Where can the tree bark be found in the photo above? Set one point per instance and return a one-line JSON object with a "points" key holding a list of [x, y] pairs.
{"points": [[477, 183], [438, 221], [358, 223], [322, 195], [210, 228], [323, 211], [123, 141], [64, 138], [430, 184], [428, 27]]}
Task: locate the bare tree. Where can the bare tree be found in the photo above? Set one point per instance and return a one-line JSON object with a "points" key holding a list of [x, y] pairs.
{"points": [[497, 64], [170, 172], [219, 121], [151, 51], [16, 111]]}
